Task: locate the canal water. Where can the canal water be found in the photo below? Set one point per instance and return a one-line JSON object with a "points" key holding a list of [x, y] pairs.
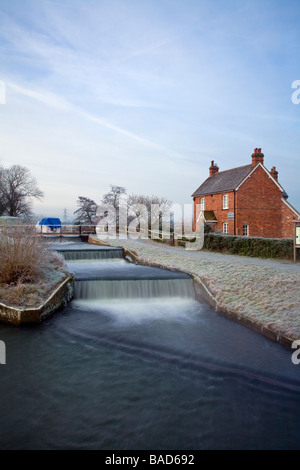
{"points": [[135, 362]]}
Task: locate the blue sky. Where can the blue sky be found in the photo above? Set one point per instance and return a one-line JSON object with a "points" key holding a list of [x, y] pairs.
{"points": [[145, 93]]}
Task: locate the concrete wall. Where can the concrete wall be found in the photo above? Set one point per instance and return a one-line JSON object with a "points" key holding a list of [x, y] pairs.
{"points": [[58, 299]]}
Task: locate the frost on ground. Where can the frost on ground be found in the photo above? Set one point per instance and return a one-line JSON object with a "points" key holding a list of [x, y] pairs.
{"points": [[266, 292], [33, 294], [29, 270]]}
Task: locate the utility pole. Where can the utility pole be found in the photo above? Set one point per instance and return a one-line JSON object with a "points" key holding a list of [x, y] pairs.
{"points": [[65, 216]]}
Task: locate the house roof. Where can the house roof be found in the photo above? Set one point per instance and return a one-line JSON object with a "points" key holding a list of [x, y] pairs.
{"points": [[223, 181]]}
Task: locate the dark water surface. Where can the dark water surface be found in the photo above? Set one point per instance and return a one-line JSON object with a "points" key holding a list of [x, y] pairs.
{"points": [[145, 373]]}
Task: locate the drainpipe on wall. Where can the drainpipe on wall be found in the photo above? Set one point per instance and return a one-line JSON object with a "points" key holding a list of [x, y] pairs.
{"points": [[193, 215], [235, 215]]}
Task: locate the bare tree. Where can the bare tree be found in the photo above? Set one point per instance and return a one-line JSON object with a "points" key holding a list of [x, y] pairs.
{"points": [[86, 213], [18, 188], [112, 198], [153, 207]]}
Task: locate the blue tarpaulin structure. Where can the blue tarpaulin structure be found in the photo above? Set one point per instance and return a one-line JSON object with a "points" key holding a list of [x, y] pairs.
{"points": [[51, 222]]}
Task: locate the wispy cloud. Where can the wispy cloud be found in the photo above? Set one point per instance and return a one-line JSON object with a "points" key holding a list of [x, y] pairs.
{"points": [[45, 97], [52, 100]]}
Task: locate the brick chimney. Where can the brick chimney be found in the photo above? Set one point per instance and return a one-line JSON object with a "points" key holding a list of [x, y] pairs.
{"points": [[213, 169], [257, 157], [274, 173]]}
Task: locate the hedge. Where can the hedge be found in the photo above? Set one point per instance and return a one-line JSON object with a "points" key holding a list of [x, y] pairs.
{"points": [[247, 246]]}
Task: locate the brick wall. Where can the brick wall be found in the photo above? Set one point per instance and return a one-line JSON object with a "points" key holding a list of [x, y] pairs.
{"points": [[287, 221], [259, 205], [215, 203]]}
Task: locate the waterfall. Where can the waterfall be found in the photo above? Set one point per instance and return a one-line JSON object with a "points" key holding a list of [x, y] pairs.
{"points": [[134, 289], [103, 255], [121, 280]]}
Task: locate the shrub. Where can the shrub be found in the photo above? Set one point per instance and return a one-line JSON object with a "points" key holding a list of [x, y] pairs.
{"points": [[23, 255]]}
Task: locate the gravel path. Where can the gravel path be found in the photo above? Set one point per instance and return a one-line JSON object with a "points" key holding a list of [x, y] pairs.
{"points": [[266, 291]]}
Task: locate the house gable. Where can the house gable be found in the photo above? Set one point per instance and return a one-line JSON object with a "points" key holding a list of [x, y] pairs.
{"points": [[259, 205], [255, 169]]}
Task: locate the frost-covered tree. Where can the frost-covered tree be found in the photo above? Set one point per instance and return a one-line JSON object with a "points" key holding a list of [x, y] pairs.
{"points": [[86, 212], [112, 198], [17, 189], [156, 208]]}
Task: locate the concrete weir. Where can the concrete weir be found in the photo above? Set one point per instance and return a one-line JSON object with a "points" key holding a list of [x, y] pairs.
{"points": [[103, 273], [83, 251]]}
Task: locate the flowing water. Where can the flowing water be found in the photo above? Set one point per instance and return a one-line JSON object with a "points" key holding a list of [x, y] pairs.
{"points": [[144, 367]]}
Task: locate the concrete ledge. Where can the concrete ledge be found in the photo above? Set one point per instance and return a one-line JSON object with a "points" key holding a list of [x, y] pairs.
{"points": [[202, 292], [58, 299]]}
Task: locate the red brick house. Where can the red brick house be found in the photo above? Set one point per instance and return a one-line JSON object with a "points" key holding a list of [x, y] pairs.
{"points": [[247, 200]]}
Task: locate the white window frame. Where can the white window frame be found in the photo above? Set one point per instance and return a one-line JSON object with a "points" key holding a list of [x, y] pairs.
{"points": [[245, 229], [202, 204], [225, 228], [225, 202]]}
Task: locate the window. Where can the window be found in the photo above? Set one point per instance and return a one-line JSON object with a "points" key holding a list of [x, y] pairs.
{"points": [[225, 227], [202, 205], [225, 201], [246, 230]]}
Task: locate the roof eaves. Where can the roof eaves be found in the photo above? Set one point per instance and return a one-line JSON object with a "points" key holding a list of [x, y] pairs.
{"points": [[291, 207], [215, 192], [195, 192]]}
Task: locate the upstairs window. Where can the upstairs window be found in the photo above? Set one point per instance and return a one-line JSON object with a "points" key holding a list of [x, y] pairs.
{"points": [[246, 230], [202, 204], [225, 201]]}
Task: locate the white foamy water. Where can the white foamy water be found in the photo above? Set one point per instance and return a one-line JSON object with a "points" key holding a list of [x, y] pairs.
{"points": [[128, 311]]}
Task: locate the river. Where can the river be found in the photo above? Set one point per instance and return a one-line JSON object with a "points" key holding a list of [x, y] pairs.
{"points": [[150, 371]]}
